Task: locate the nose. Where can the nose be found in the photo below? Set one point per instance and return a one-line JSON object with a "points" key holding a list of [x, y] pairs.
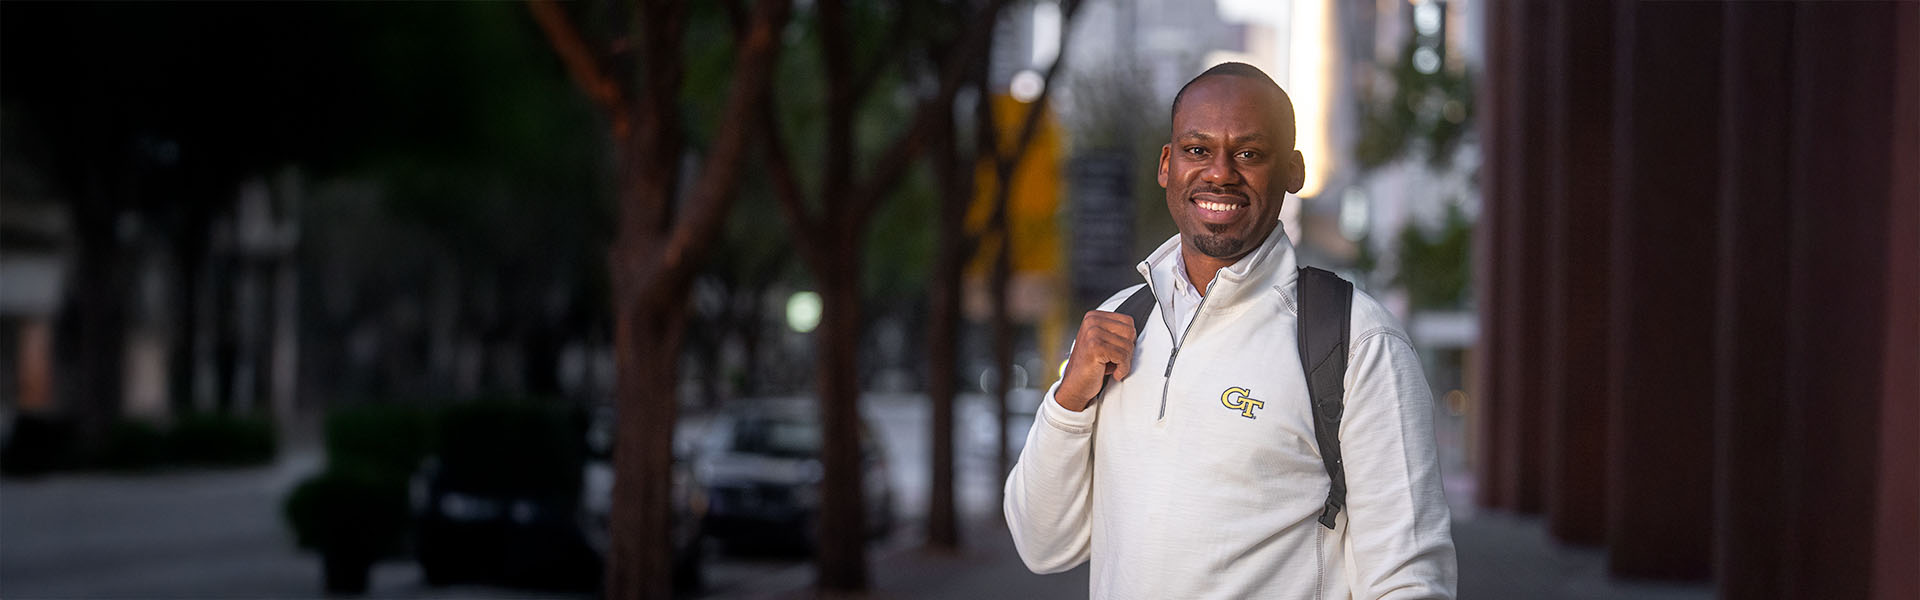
{"points": [[1219, 170]]}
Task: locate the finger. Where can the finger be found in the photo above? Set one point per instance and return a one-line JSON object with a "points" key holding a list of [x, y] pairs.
{"points": [[1105, 318], [1099, 358], [1117, 351], [1121, 319]]}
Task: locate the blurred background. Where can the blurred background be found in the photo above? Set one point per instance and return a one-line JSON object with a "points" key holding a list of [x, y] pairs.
{"points": [[757, 298]]}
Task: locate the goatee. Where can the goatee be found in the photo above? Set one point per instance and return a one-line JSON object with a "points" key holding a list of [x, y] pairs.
{"points": [[1216, 244]]}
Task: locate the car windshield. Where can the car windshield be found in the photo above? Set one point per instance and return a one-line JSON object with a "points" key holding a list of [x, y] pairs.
{"points": [[792, 439]]}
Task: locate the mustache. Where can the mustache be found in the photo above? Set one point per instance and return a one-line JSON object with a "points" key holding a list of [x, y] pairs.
{"points": [[1217, 190]]}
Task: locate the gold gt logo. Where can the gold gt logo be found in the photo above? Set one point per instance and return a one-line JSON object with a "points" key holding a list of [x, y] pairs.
{"points": [[1238, 399]]}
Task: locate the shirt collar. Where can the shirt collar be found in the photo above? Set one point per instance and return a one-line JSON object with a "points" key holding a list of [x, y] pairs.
{"points": [[1272, 265]]}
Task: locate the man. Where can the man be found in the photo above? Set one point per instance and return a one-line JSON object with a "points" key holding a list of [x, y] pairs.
{"points": [[1195, 473]]}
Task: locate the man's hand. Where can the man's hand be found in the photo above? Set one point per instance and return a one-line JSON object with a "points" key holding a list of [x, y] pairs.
{"points": [[1103, 347]]}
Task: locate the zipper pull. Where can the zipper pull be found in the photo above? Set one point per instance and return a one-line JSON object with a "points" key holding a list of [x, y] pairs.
{"points": [[1170, 357]]}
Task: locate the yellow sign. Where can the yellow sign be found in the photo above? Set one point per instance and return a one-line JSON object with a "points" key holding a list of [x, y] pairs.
{"points": [[1033, 200]]}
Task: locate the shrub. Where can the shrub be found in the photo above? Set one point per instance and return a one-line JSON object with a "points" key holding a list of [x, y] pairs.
{"points": [[386, 438], [38, 444], [349, 508], [133, 445], [223, 440]]}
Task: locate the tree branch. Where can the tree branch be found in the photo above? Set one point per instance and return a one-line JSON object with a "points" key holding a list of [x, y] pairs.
{"points": [[712, 192], [787, 193], [893, 162], [838, 154], [1031, 124], [583, 64]]}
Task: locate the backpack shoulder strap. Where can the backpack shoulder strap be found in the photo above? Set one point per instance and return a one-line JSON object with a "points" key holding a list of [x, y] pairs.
{"points": [[1139, 305], [1326, 304]]}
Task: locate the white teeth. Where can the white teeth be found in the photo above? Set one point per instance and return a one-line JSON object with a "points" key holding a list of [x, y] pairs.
{"points": [[1217, 206]]}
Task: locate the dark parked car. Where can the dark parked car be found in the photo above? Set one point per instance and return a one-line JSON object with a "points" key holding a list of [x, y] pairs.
{"points": [[521, 496], [760, 464]]}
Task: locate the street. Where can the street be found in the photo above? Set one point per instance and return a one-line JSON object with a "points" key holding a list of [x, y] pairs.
{"points": [[219, 533]]}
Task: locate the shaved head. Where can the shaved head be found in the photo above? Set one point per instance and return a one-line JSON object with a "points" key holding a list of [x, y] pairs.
{"points": [[1284, 105]]}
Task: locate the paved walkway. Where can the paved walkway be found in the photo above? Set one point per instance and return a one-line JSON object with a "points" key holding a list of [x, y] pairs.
{"points": [[1501, 557]]}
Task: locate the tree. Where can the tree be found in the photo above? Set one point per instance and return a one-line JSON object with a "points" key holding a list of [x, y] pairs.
{"points": [[661, 233], [147, 129], [1004, 159], [829, 237], [954, 169]]}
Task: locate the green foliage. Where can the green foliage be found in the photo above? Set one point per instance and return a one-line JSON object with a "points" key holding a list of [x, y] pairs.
{"points": [[1436, 268], [1427, 115], [388, 439], [38, 444], [222, 440], [519, 447], [133, 444], [358, 505], [349, 509]]}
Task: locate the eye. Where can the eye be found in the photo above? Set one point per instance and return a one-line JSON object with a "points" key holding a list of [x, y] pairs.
{"points": [[1194, 151], [1247, 155]]}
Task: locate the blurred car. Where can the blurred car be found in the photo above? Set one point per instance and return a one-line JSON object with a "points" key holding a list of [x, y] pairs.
{"points": [[500, 505], [760, 464]]}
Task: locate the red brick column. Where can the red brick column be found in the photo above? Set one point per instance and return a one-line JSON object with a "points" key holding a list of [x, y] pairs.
{"points": [[1843, 98], [1666, 145], [1525, 383], [1489, 416], [1751, 410], [1897, 522], [1580, 96]]}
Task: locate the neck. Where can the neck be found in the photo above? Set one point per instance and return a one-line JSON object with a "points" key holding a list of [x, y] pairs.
{"points": [[1201, 268]]}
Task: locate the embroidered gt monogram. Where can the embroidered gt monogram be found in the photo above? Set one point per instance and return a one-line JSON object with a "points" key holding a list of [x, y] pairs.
{"points": [[1240, 400]]}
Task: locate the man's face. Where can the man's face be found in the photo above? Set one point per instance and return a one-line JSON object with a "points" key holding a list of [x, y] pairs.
{"points": [[1229, 166]]}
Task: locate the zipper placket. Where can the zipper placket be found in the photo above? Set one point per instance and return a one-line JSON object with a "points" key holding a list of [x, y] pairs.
{"points": [[1166, 379]]}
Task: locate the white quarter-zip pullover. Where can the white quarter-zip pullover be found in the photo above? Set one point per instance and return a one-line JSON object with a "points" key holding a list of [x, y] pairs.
{"points": [[1172, 492]]}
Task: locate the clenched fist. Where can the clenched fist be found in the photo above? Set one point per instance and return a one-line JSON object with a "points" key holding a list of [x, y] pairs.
{"points": [[1103, 347]]}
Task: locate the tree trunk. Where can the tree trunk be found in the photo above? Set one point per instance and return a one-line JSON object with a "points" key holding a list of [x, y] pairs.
{"points": [[91, 341], [647, 339], [943, 318], [842, 559], [1002, 334], [750, 328], [942, 345]]}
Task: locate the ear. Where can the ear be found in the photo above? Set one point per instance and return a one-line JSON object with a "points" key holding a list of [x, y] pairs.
{"points": [[1296, 171], [1166, 152]]}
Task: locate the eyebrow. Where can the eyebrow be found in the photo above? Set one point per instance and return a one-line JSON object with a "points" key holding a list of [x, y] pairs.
{"points": [[1251, 138]]}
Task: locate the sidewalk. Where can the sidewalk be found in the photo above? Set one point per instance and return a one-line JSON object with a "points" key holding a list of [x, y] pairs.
{"points": [[1506, 556], [1501, 557]]}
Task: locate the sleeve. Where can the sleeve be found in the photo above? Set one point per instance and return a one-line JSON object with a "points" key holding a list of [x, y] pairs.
{"points": [[1398, 532], [1049, 494]]}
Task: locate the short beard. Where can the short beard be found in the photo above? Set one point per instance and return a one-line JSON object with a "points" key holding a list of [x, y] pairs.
{"points": [[1217, 244]]}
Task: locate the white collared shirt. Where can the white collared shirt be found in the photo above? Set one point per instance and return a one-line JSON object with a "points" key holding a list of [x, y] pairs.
{"points": [[1185, 298]]}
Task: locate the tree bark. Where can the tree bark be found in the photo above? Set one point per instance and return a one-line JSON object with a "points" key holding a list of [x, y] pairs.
{"points": [[661, 237], [1002, 334], [646, 338], [943, 332], [830, 242], [842, 563]]}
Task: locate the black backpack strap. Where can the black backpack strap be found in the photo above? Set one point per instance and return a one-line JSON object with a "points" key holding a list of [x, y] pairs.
{"points": [[1326, 305], [1140, 307]]}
